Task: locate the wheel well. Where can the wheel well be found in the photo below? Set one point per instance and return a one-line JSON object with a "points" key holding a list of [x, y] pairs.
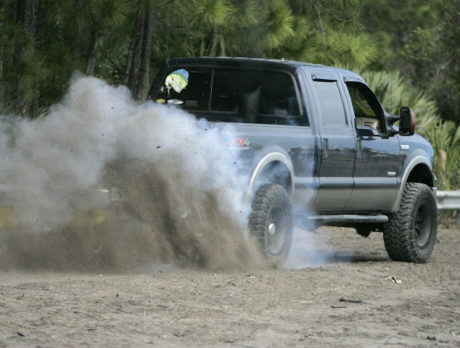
{"points": [[421, 174], [275, 172]]}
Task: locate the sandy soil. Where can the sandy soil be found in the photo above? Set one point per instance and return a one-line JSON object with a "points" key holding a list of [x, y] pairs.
{"points": [[350, 300]]}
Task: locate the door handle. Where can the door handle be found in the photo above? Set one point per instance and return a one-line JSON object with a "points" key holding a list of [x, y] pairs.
{"points": [[360, 148], [325, 147]]}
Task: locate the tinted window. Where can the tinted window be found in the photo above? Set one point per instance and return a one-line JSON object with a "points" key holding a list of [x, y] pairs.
{"points": [[225, 91], [195, 95], [366, 107], [330, 101], [278, 95], [233, 95]]}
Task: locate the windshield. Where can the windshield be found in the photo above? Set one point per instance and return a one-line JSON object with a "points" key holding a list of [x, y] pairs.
{"points": [[232, 95]]}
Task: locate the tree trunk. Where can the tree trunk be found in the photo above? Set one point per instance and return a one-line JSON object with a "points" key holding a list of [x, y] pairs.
{"points": [[27, 15], [133, 53], [1, 62], [140, 50], [27, 92], [215, 41], [92, 52], [2, 38], [143, 86], [222, 47]]}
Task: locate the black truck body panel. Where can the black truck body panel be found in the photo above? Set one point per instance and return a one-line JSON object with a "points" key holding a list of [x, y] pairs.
{"points": [[328, 167]]}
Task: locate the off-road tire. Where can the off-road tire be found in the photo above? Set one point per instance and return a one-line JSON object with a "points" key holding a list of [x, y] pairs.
{"points": [[271, 223], [410, 233]]}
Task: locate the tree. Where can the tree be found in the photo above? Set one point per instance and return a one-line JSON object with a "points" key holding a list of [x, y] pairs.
{"points": [[432, 57], [101, 15], [126, 41], [397, 18], [329, 32], [215, 15], [140, 49], [25, 55], [394, 91], [3, 39]]}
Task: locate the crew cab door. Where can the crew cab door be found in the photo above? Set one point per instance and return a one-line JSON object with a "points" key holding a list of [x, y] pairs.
{"points": [[378, 160], [337, 143]]}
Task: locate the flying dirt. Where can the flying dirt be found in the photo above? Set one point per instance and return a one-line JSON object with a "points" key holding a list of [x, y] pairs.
{"points": [[180, 197]]}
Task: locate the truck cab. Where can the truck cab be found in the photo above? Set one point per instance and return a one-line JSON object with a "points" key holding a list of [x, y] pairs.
{"points": [[316, 144]]}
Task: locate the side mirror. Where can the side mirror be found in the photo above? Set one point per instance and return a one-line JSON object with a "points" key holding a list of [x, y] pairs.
{"points": [[406, 121]]}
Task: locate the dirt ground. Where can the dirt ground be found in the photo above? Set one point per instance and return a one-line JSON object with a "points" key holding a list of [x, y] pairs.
{"points": [[354, 297]]}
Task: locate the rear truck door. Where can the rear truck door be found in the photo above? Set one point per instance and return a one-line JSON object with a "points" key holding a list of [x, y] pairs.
{"points": [[378, 159], [277, 135], [305, 155], [337, 143]]}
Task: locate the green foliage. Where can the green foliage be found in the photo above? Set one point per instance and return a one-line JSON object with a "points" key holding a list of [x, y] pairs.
{"points": [[328, 32], [445, 138], [414, 44], [278, 23], [433, 57], [422, 40], [215, 16], [19, 58], [341, 49], [395, 92], [213, 12], [395, 20]]}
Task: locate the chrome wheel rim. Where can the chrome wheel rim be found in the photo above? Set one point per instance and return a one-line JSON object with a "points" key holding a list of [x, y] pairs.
{"points": [[422, 225], [276, 230]]}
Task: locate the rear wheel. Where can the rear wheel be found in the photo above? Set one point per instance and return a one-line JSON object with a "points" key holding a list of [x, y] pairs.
{"points": [[410, 234], [271, 222]]}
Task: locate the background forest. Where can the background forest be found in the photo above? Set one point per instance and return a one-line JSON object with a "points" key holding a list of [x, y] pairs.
{"points": [[407, 50]]}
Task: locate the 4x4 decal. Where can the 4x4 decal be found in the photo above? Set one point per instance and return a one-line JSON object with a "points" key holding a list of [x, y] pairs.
{"points": [[240, 143]]}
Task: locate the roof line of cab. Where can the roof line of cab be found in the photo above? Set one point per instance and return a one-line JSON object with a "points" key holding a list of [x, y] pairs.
{"points": [[256, 62]]}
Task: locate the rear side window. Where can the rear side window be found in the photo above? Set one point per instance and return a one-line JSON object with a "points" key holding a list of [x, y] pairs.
{"points": [[233, 95], [330, 102], [188, 88]]}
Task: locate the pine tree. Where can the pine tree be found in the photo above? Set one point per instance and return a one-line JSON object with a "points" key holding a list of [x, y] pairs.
{"points": [[137, 70], [25, 54], [329, 32], [431, 59], [101, 15]]}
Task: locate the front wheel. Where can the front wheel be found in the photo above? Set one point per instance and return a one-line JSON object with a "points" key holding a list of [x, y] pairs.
{"points": [[410, 234], [271, 222]]}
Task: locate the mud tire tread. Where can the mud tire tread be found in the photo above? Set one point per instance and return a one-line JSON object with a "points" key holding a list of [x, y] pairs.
{"points": [[399, 234], [267, 196]]}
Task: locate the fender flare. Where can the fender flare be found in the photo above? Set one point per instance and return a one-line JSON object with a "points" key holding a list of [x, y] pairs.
{"points": [[267, 159], [411, 165]]}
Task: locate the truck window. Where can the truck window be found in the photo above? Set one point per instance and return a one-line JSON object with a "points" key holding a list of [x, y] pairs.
{"points": [[192, 95], [366, 107], [233, 95], [330, 102]]}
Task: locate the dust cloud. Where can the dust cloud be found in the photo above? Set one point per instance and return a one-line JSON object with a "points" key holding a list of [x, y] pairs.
{"points": [[309, 249], [105, 184]]}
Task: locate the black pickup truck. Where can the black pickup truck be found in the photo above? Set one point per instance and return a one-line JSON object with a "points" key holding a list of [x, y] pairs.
{"points": [[319, 148]]}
